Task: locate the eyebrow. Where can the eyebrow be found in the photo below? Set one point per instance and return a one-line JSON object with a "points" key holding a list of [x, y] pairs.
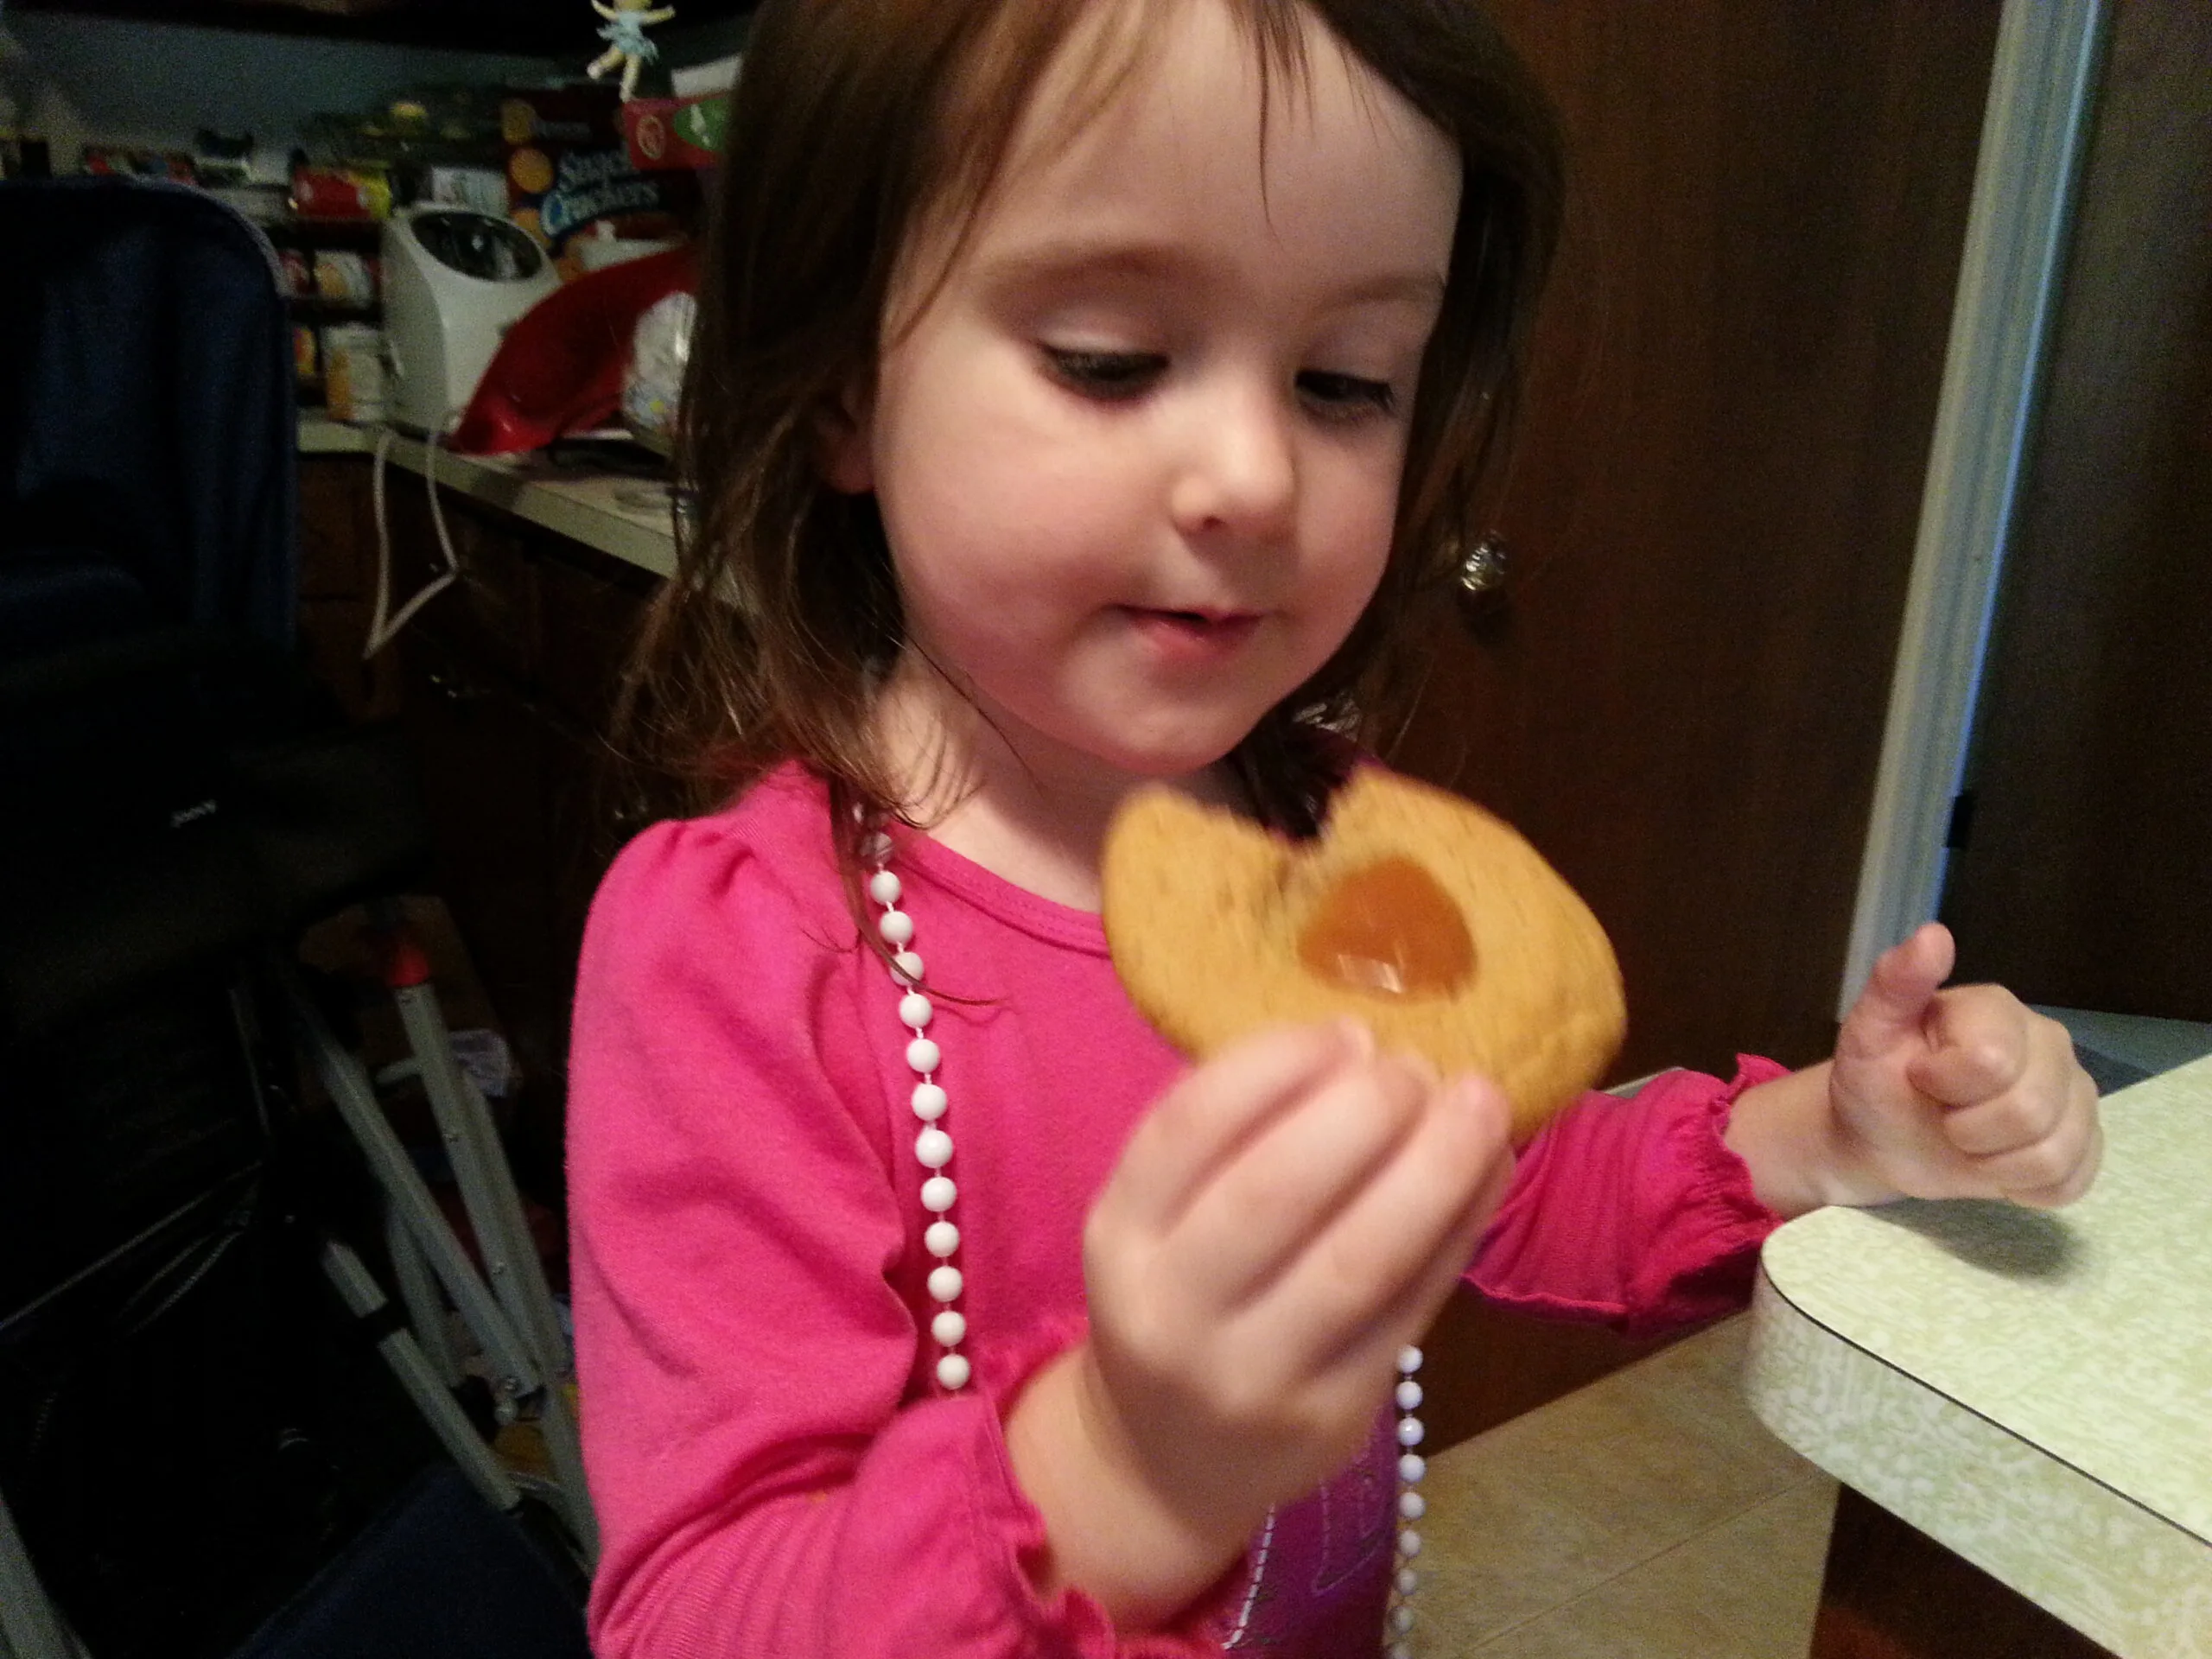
{"points": [[1056, 261]]}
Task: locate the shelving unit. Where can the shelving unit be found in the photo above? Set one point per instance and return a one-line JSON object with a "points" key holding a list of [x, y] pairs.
{"points": [[313, 236], [513, 26]]}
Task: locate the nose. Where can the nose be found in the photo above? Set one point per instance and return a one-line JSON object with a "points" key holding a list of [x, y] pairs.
{"points": [[1238, 474]]}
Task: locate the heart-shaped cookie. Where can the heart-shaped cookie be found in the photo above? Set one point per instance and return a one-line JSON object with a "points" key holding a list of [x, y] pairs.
{"points": [[1423, 915]]}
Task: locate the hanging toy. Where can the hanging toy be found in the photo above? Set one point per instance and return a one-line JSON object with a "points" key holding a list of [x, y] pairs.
{"points": [[628, 47]]}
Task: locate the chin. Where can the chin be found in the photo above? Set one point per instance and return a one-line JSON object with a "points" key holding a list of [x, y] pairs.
{"points": [[1170, 757], [1155, 738]]}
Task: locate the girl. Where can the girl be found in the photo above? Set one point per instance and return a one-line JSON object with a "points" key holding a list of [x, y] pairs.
{"points": [[1086, 390]]}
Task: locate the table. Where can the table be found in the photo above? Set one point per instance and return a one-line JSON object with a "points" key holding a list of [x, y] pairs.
{"points": [[2031, 1390]]}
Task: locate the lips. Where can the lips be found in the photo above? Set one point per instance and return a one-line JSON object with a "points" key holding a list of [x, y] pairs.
{"points": [[1195, 637]]}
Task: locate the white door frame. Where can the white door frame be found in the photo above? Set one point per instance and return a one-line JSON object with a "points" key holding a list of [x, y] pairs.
{"points": [[2035, 130]]}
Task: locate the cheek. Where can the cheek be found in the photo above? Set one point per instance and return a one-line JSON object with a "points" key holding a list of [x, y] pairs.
{"points": [[968, 469], [1356, 530]]}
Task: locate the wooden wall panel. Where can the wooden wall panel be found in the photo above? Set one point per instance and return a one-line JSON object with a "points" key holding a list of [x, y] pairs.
{"points": [[1715, 501]]}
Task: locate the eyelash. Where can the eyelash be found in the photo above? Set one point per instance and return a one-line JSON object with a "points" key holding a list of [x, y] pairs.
{"points": [[1116, 377], [1111, 375], [1348, 394]]}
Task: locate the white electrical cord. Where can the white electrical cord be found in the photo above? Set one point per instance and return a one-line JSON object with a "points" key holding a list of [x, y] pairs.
{"points": [[382, 632]]}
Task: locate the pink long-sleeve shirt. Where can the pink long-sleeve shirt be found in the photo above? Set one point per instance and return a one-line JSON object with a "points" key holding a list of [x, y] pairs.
{"points": [[774, 1470]]}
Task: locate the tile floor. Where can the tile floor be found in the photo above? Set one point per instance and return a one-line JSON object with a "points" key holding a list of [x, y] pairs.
{"points": [[1647, 1516]]}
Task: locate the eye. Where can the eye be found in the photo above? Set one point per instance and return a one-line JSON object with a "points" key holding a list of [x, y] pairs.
{"points": [[1110, 375], [1346, 396]]}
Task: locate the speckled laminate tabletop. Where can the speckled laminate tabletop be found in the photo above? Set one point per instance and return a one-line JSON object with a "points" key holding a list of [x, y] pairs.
{"points": [[2032, 1389]]}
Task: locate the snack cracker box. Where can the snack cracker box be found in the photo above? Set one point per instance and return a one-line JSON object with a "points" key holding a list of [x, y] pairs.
{"points": [[569, 168]]}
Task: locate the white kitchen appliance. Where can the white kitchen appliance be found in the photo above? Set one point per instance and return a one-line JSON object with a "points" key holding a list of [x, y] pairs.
{"points": [[454, 282]]}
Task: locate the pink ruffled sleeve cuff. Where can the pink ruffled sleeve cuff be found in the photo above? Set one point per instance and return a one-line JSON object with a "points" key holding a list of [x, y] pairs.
{"points": [[1633, 1213]]}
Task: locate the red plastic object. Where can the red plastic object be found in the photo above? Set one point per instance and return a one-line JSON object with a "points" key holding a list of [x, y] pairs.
{"points": [[560, 368], [405, 965]]}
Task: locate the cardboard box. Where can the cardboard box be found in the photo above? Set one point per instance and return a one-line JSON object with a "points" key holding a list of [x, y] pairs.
{"points": [[676, 133], [569, 169]]}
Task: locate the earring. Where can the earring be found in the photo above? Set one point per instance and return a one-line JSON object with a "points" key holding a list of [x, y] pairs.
{"points": [[1483, 569]]}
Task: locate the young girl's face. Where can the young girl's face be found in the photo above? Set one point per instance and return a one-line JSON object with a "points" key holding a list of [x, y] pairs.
{"points": [[1138, 455]]}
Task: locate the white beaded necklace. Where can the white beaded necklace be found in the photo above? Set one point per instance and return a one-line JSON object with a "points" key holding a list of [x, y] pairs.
{"points": [[949, 1326]]}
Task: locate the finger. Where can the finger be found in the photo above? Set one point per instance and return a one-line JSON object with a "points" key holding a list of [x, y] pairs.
{"points": [[1408, 1318], [2052, 1162], [1889, 1011], [1202, 1119], [1427, 1284], [2027, 1098], [2016, 1119], [1365, 1367], [1285, 1184], [1392, 1241], [2076, 1184], [1981, 1039], [2007, 1075]]}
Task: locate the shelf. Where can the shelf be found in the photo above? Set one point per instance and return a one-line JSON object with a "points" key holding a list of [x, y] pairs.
{"points": [[356, 235], [524, 28]]}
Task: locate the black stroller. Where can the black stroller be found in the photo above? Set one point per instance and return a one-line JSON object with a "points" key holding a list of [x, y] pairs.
{"points": [[180, 803]]}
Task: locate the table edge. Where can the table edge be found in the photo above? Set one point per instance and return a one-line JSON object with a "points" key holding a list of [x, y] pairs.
{"points": [[1870, 1399]]}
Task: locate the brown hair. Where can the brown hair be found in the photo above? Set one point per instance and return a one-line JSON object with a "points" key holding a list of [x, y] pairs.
{"points": [[854, 121]]}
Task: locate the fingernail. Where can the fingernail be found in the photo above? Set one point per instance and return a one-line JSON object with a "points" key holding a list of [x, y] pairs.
{"points": [[1469, 1091], [1360, 1039]]}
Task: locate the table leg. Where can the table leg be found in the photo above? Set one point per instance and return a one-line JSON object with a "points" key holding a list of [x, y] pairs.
{"points": [[1893, 1593]]}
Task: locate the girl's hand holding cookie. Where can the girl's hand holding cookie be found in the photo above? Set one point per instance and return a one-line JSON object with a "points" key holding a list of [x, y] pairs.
{"points": [[1957, 1093], [1288, 1217]]}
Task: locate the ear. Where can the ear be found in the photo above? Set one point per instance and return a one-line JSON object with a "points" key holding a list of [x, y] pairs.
{"points": [[843, 445]]}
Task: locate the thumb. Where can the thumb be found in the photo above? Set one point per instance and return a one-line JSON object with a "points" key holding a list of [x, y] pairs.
{"points": [[1893, 1007]]}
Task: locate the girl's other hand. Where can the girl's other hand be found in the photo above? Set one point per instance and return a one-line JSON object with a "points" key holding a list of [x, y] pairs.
{"points": [[1287, 1218], [1958, 1093]]}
